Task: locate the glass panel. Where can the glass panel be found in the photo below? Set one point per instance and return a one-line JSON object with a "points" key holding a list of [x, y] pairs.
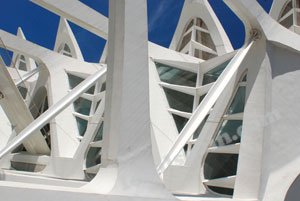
{"points": [[200, 23], [180, 122], [93, 157], [82, 106], [201, 98], [67, 48], [218, 165], [75, 80], [176, 76], [220, 190], [197, 53], [287, 22], [207, 56], [205, 39], [186, 39], [245, 78], [189, 26], [23, 91], [238, 103], [22, 66], [97, 105], [229, 133], [288, 7], [82, 125], [99, 133], [298, 19], [179, 101], [22, 58], [213, 75], [103, 87]]}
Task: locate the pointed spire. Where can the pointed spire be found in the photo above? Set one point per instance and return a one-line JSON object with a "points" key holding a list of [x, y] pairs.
{"points": [[66, 43], [204, 36], [22, 62]]}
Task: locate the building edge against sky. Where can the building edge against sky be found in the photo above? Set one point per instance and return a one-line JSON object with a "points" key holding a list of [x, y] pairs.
{"points": [[196, 121]]}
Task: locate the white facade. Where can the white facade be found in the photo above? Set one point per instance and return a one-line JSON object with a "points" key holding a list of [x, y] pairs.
{"points": [[196, 121]]}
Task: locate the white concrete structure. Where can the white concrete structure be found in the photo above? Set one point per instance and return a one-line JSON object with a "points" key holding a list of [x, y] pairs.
{"points": [[196, 121]]}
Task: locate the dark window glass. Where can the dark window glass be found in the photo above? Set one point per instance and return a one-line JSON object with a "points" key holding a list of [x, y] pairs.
{"points": [[82, 106], [179, 101], [219, 165], [180, 122], [23, 91], [176, 76], [220, 190], [82, 125], [229, 133], [186, 39], [238, 102], [213, 75], [75, 80], [93, 157], [99, 134]]}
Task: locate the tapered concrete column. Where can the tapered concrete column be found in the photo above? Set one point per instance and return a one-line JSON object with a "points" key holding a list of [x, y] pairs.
{"points": [[127, 118]]}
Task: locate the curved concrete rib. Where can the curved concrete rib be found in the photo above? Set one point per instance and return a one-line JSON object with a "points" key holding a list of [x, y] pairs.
{"points": [[79, 14], [204, 108], [18, 113], [254, 17], [52, 112]]}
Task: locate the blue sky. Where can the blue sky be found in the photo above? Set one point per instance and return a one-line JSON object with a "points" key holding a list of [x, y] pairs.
{"points": [[40, 25]]}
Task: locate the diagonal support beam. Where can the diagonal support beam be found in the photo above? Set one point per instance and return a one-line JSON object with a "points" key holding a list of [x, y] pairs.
{"points": [[204, 108], [52, 112]]}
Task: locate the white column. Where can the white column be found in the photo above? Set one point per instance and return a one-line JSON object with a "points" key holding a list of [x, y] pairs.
{"points": [[127, 140]]}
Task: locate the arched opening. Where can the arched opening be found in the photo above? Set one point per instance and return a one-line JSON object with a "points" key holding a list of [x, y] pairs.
{"points": [[65, 50], [196, 40]]}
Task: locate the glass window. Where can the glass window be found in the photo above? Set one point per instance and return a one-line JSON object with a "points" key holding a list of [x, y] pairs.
{"points": [[213, 75], [197, 53], [286, 9], [67, 48], [180, 122], [186, 39], [179, 101], [22, 66], [238, 103], [103, 87], [200, 23], [220, 190], [245, 78], [75, 80], [82, 106], [99, 134], [23, 91], [229, 133], [205, 39], [22, 63], [93, 157], [207, 56], [287, 22], [97, 105], [201, 98], [218, 165], [176, 76], [189, 25], [82, 125]]}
